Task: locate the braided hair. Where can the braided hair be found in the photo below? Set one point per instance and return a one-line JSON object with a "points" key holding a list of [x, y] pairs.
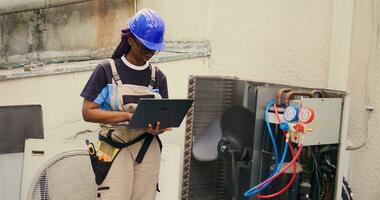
{"points": [[123, 47]]}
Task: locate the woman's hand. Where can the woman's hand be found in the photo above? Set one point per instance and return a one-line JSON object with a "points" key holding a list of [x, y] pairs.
{"points": [[157, 130]]}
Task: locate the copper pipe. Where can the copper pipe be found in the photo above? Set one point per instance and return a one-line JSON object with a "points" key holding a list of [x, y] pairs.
{"points": [[291, 94], [320, 92], [280, 92]]}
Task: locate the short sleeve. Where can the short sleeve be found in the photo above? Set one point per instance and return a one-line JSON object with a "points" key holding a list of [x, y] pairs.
{"points": [[95, 84], [164, 88]]}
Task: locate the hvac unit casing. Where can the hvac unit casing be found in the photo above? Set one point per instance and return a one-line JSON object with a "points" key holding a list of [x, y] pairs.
{"points": [[62, 170], [211, 180]]}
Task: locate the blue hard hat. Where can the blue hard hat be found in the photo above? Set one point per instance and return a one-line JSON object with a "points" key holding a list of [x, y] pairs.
{"points": [[149, 28]]}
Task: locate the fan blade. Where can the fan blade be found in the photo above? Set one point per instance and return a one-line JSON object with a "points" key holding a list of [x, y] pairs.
{"points": [[237, 124], [205, 148]]}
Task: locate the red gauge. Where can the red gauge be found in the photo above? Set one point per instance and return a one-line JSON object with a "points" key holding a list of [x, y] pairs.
{"points": [[306, 115]]}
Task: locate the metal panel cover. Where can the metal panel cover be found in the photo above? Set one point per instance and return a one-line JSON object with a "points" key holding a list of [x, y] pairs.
{"points": [[326, 124], [18, 123]]}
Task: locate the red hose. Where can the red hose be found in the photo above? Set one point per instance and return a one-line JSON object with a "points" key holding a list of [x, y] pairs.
{"points": [[294, 175], [293, 161], [284, 169], [276, 114]]}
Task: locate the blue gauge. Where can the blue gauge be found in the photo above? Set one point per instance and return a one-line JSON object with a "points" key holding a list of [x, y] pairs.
{"points": [[291, 114]]}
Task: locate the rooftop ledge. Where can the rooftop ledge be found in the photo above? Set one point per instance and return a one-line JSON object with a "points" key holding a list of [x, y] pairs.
{"points": [[178, 50]]}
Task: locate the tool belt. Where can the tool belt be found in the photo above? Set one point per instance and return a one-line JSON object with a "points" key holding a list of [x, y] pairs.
{"points": [[101, 160]]}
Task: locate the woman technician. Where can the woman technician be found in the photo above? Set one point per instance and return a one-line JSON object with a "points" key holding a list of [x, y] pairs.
{"points": [[127, 162]]}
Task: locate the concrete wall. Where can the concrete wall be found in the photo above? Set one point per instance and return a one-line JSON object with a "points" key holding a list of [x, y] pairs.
{"points": [[276, 41], [284, 42], [84, 30], [363, 76], [61, 103], [184, 19], [265, 40], [61, 107], [289, 42]]}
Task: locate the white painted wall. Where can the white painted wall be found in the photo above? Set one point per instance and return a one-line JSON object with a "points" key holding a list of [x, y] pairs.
{"points": [[10, 175], [61, 106], [61, 103], [275, 41], [184, 19], [365, 165], [289, 42]]}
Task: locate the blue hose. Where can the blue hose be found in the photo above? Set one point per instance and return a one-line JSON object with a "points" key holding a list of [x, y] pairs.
{"points": [[270, 104], [278, 164], [278, 167]]}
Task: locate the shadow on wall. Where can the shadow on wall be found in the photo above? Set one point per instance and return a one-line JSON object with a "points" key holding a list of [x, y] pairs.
{"points": [[82, 31]]}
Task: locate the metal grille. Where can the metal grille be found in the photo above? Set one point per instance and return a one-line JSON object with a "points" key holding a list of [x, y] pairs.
{"points": [[66, 176], [188, 141], [206, 180]]}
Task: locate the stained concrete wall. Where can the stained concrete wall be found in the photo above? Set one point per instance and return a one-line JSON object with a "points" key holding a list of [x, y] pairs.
{"points": [[79, 31]]}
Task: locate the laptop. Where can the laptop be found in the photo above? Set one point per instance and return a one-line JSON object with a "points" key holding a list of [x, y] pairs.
{"points": [[169, 112]]}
